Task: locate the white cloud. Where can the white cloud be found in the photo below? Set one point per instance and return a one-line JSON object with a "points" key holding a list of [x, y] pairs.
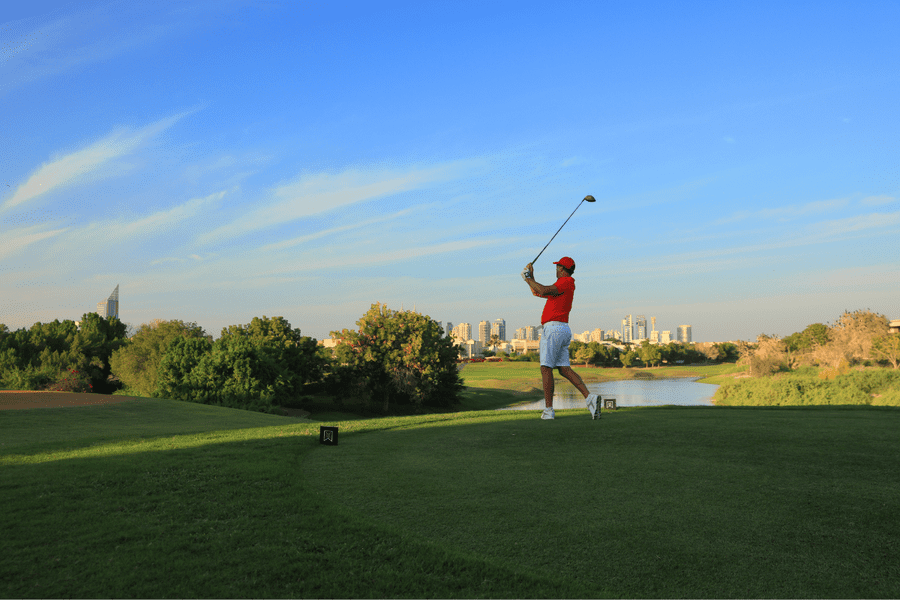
{"points": [[314, 194], [858, 223], [71, 168], [159, 222], [324, 233], [877, 200], [17, 239], [785, 213]]}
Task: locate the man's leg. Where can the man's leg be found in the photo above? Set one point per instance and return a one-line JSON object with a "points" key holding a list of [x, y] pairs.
{"points": [[547, 379], [572, 376]]}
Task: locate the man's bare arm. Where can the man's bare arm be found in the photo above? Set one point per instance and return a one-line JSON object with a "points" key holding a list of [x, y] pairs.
{"points": [[536, 288]]}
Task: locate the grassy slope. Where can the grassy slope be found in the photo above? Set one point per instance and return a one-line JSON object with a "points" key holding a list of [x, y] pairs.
{"points": [[168, 499]]}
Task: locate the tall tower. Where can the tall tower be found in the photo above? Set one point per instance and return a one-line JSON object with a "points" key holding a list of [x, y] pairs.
{"points": [[684, 334], [484, 332], [498, 328], [110, 306], [641, 327], [627, 329]]}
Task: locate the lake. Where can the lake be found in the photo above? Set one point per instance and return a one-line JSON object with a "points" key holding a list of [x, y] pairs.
{"points": [[682, 391]]}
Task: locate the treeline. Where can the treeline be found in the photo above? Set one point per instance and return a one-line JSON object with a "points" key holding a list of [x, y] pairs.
{"points": [[265, 365], [652, 355], [853, 361], [61, 355], [860, 338]]}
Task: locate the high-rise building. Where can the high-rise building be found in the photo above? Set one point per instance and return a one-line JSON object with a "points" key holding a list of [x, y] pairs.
{"points": [[520, 333], [665, 337], [110, 306], [641, 327], [498, 328], [530, 333], [684, 334], [627, 329], [484, 332], [597, 335], [449, 328], [463, 332]]}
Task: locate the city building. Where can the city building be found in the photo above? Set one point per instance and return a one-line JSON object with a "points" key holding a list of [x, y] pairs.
{"points": [[463, 332], [484, 332], [597, 335], [895, 326], [498, 328], [684, 334], [627, 329], [520, 333], [641, 327], [523, 346], [110, 306], [665, 337]]}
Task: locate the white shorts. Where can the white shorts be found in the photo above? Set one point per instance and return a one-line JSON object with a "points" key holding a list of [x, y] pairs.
{"points": [[555, 342]]}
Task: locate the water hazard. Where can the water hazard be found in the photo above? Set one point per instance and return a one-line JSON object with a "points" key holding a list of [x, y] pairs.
{"points": [[634, 392]]}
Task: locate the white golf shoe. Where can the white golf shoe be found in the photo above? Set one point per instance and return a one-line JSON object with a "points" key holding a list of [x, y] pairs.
{"points": [[548, 414], [593, 405]]}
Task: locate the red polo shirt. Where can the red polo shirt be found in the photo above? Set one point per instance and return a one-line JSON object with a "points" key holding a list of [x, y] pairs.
{"points": [[558, 307]]}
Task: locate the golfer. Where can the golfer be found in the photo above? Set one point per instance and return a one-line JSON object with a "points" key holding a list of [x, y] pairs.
{"points": [[557, 335]]}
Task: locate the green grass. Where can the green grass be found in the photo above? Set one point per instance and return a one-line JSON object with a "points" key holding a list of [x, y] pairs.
{"points": [[526, 376], [166, 499]]}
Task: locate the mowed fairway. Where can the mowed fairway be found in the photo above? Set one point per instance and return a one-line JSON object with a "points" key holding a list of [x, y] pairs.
{"points": [[155, 498], [661, 502]]}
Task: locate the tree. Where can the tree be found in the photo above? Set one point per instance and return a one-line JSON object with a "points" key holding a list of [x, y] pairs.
{"points": [[628, 358], [94, 343], [769, 356], [295, 355], [181, 357], [851, 338], [887, 347], [399, 356], [137, 363], [585, 354], [650, 354]]}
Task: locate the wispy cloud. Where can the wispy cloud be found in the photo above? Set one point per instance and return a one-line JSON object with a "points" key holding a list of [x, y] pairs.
{"points": [[326, 232], [878, 200], [17, 239], [858, 223], [786, 213], [71, 168], [314, 194], [154, 224]]}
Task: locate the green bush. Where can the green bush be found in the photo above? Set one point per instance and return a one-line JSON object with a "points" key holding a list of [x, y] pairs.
{"points": [[259, 366], [891, 398], [399, 357], [136, 364], [806, 387]]}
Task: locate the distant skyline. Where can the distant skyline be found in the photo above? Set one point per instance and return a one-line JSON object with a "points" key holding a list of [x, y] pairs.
{"points": [[231, 159]]}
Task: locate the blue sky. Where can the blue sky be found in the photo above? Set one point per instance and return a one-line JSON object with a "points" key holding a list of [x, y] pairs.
{"points": [[224, 160]]}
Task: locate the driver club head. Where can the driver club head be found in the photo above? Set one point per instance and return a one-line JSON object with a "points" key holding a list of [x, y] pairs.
{"points": [[589, 198]]}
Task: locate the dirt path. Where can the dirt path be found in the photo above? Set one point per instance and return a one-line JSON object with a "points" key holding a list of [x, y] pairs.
{"points": [[15, 400]]}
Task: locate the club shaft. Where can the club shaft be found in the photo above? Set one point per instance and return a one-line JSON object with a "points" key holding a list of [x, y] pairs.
{"points": [[554, 235]]}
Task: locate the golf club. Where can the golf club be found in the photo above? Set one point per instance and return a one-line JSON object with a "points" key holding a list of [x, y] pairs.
{"points": [[588, 198]]}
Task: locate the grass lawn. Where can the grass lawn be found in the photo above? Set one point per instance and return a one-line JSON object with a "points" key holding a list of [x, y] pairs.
{"points": [[157, 498], [526, 376]]}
